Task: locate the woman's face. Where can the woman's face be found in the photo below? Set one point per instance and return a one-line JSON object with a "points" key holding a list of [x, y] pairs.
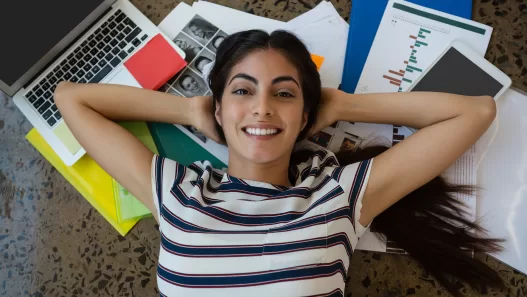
{"points": [[189, 84], [262, 108], [197, 31], [182, 44], [202, 63]]}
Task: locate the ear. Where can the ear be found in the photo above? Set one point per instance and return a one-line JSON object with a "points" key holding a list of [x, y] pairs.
{"points": [[217, 114], [304, 120]]}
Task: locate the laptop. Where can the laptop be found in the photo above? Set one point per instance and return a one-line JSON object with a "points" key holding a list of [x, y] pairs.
{"points": [[63, 40]]}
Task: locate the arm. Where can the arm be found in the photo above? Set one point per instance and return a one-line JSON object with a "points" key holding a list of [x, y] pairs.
{"points": [[89, 111], [449, 125]]}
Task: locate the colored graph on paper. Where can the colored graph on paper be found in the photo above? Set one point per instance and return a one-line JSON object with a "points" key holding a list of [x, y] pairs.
{"points": [[410, 37]]}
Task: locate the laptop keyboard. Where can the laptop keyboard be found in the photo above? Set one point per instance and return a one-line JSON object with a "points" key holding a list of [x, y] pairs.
{"points": [[90, 62]]}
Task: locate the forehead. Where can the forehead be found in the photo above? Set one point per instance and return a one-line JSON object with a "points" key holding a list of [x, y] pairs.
{"points": [[265, 65]]}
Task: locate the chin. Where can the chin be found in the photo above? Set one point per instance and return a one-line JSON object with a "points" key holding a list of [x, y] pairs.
{"points": [[263, 156]]}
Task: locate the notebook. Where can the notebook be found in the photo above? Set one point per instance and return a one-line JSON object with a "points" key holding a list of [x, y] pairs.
{"points": [[365, 18]]}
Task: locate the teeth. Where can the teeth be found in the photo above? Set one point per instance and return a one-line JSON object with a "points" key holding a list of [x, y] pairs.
{"points": [[258, 131]]}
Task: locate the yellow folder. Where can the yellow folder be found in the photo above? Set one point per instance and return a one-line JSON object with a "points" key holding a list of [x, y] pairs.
{"points": [[89, 179]]}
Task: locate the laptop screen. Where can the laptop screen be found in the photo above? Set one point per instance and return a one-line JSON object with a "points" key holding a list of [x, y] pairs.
{"points": [[30, 29]]}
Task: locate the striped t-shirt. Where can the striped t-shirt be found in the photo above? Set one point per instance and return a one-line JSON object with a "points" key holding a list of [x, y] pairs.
{"points": [[224, 236]]}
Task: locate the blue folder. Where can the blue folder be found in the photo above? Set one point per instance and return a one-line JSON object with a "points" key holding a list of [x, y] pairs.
{"points": [[365, 18]]}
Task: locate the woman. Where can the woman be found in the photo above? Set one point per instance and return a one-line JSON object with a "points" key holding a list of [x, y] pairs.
{"points": [[277, 222], [190, 50], [201, 62]]}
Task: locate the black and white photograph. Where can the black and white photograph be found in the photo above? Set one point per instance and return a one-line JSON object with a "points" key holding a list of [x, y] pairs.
{"points": [[188, 45], [204, 58], [190, 84], [196, 133], [216, 41], [201, 30]]}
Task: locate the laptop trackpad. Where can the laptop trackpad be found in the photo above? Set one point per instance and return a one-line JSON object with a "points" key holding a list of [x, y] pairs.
{"points": [[64, 134]]}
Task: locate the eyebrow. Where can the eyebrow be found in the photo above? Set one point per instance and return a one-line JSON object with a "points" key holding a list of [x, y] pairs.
{"points": [[255, 81]]}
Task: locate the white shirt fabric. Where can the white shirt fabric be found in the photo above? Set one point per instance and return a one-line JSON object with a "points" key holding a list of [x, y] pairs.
{"points": [[225, 236]]}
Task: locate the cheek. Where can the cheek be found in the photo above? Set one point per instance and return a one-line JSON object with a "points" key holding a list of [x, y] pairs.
{"points": [[231, 114]]}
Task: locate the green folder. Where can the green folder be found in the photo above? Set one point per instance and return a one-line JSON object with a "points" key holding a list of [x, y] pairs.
{"points": [[174, 144], [128, 207]]}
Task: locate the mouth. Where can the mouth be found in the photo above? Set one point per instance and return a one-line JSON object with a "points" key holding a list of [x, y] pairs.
{"points": [[260, 132]]}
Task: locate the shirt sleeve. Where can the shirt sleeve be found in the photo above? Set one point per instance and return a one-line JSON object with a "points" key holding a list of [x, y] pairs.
{"points": [[353, 179], [165, 174]]}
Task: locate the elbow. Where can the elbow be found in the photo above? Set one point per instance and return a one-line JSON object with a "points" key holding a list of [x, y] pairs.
{"points": [[487, 108], [64, 92]]}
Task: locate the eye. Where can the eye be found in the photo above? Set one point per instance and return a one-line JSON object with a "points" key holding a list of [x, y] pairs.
{"points": [[285, 94], [241, 92]]}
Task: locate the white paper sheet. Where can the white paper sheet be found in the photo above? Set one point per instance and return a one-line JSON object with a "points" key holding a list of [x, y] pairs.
{"points": [[502, 176], [232, 20]]}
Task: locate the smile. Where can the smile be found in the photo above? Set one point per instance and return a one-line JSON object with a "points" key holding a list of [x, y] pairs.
{"points": [[261, 131]]}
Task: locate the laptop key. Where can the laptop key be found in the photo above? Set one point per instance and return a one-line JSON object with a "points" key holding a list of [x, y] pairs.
{"points": [[87, 57], [114, 42], [60, 73], [131, 49], [100, 45], [99, 37], [44, 107], [39, 102], [107, 48], [66, 67], [51, 121], [87, 67], [100, 55], [97, 31], [47, 95], [94, 61], [81, 63], [53, 108], [52, 80], [105, 31], [92, 43], [120, 36], [32, 98], [74, 79], [81, 73], [49, 75], [120, 27], [95, 69], [39, 92], [136, 42], [45, 86], [73, 62], [47, 114], [123, 54], [144, 37], [82, 81], [93, 51], [122, 44], [132, 35], [58, 116], [109, 57], [120, 17], [115, 50], [116, 61], [29, 94], [89, 75], [114, 33], [79, 55], [99, 76], [85, 50], [111, 18], [74, 69], [127, 30], [76, 50], [63, 62], [102, 63], [67, 76], [112, 24]]}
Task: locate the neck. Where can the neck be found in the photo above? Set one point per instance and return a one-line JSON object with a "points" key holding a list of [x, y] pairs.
{"points": [[276, 173]]}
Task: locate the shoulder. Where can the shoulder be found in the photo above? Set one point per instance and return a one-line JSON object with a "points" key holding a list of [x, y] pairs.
{"points": [[171, 171]]}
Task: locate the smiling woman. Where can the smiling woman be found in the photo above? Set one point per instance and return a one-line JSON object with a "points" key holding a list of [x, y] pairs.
{"points": [[279, 220]]}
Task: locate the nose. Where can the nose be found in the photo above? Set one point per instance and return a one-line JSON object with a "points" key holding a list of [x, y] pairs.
{"points": [[263, 106]]}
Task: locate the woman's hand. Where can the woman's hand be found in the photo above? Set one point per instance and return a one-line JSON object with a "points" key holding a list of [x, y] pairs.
{"points": [[203, 117], [328, 112]]}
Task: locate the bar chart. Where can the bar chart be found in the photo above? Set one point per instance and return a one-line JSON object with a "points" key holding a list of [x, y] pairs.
{"points": [[410, 65]]}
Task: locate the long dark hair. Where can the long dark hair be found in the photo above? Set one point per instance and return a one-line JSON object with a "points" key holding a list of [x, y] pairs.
{"points": [[428, 223]]}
